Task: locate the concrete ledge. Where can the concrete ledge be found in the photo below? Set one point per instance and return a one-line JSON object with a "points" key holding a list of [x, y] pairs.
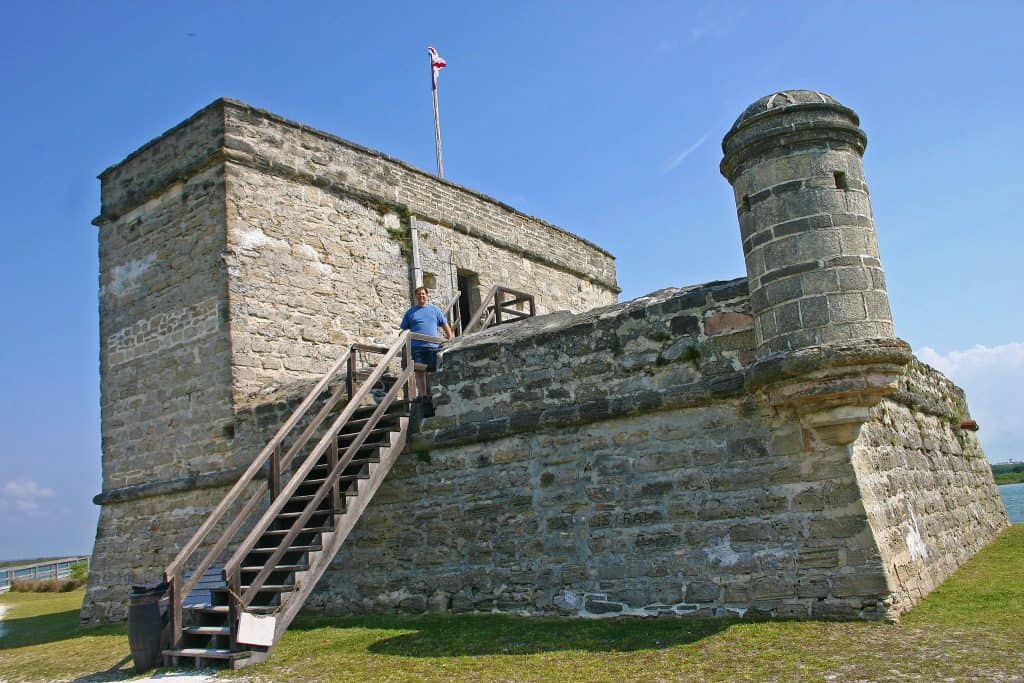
{"points": [[836, 355], [199, 480]]}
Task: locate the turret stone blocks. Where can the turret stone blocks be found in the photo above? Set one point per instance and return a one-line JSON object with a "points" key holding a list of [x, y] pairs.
{"points": [[760, 446], [805, 220]]}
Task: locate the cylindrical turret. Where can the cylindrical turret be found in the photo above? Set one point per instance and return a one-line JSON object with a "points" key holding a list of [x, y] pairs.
{"points": [[794, 161]]}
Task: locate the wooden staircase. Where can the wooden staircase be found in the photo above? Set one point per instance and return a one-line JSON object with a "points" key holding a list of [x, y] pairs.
{"points": [[263, 549], [308, 511]]}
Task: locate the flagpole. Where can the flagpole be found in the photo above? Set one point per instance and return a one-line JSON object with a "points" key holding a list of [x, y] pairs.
{"points": [[437, 122]]}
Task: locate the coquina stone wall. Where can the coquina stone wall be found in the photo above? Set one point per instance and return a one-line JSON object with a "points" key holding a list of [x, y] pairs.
{"points": [[166, 389], [613, 463], [319, 248], [631, 461], [240, 254], [927, 486]]}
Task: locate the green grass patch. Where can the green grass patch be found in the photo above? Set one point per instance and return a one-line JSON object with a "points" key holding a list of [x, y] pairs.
{"points": [[1008, 473], [42, 641], [1009, 478], [967, 629]]}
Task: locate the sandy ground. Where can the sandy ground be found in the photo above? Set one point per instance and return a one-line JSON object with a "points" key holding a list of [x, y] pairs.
{"points": [[179, 677]]}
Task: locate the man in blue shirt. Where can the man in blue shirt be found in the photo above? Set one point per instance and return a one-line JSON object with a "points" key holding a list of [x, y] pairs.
{"points": [[425, 318]]}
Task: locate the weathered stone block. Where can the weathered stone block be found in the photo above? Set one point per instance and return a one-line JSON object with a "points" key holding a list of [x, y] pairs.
{"points": [[702, 591], [861, 584]]}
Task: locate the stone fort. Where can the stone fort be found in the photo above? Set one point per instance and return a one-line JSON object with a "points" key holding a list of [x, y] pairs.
{"points": [[758, 446]]}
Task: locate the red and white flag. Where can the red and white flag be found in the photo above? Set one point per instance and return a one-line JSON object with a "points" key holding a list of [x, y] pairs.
{"points": [[436, 64]]}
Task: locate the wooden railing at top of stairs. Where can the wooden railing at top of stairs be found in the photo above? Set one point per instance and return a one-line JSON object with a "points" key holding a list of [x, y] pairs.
{"points": [[274, 457], [495, 309], [452, 313]]}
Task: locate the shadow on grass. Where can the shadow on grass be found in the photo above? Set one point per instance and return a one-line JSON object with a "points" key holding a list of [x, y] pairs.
{"points": [[60, 627], [118, 672], [50, 628], [478, 635]]}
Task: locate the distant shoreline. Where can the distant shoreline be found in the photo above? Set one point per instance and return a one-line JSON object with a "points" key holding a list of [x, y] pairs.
{"points": [[1008, 472]]}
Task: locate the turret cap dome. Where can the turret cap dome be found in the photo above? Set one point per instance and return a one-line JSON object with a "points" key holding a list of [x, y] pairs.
{"points": [[783, 100]]}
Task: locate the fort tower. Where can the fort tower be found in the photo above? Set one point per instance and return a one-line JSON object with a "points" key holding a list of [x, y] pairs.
{"points": [[794, 161]]}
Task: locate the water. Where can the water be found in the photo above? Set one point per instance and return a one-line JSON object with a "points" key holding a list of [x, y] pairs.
{"points": [[1013, 498]]}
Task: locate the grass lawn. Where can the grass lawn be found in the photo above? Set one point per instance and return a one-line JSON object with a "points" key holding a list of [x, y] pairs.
{"points": [[972, 628], [41, 640]]}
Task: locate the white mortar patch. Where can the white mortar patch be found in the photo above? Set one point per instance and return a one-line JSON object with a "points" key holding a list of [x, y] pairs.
{"points": [[312, 254], [722, 553], [915, 543], [254, 238], [123, 277]]}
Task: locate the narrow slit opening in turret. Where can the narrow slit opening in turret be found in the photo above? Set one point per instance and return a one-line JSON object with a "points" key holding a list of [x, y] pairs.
{"points": [[841, 183], [746, 202]]}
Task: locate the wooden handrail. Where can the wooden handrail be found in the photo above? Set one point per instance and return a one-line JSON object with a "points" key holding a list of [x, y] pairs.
{"points": [[416, 336], [491, 313], [253, 469], [234, 564], [326, 486], [179, 589], [453, 317]]}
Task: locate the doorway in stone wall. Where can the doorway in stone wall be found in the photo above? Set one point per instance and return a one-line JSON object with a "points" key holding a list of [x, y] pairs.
{"points": [[469, 295]]}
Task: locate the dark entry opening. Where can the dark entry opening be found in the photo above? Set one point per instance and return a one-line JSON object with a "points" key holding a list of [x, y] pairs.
{"points": [[469, 295]]}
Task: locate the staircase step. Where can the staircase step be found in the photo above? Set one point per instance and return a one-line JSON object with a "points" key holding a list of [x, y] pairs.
{"points": [[354, 425], [365, 460], [208, 630], [274, 588], [293, 515], [377, 434], [305, 530], [362, 474], [278, 568], [291, 549], [206, 607], [207, 653], [302, 499], [223, 609], [396, 406]]}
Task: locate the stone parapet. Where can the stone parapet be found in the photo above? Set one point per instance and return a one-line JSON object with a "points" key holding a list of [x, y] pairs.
{"points": [[182, 152], [673, 348], [282, 147]]}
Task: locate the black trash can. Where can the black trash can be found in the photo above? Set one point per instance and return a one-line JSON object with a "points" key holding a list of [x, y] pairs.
{"points": [[146, 621]]}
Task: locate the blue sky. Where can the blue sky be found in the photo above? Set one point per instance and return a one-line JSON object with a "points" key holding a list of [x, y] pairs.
{"points": [[604, 118]]}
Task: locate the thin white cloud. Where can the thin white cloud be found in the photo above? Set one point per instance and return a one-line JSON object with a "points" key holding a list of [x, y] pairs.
{"points": [[992, 378], [667, 45], [24, 496], [714, 20], [678, 159]]}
